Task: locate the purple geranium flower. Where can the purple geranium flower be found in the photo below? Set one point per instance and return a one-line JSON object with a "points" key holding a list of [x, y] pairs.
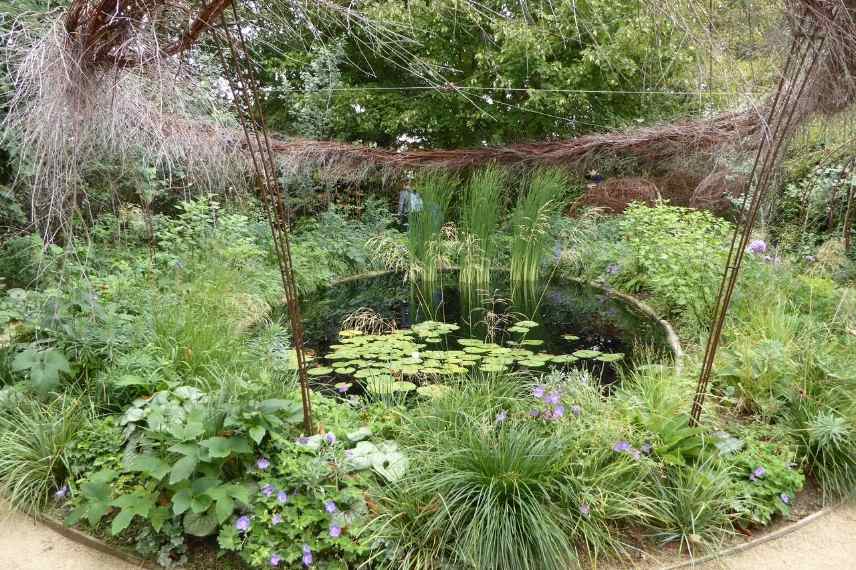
{"points": [[307, 555], [553, 398], [61, 493], [302, 440], [335, 530], [330, 507], [621, 447], [275, 559], [538, 391], [647, 448], [276, 519], [535, 413], [330, 438], [263, 463], [757, 246], [635, 454], [585, 510], [243, 523], [282, 497], [558, 412], [268, 490], [758, 473], [501, 416], [576, 410], [785, 498]]}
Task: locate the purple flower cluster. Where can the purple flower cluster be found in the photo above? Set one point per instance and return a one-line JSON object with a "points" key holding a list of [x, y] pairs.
{"points": [[501, 416], [243, 524], [330, 437], [307, 555], [624, 447], [757, 247], [263, 464], [758, 473], [61, 493], [275, 559], [554, 409]]}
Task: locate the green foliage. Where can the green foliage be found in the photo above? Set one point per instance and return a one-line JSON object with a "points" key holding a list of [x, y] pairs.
{"points": [[762, 495], [530, 223], [691, 505], [424, 234], [516, 50], [34, 437], [21, 260], [43, 367], [481, 210], [678, 255], [308, 495]]}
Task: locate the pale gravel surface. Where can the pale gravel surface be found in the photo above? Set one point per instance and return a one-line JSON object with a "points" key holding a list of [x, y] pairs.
{"points": [[28, 545], [828, 543]]}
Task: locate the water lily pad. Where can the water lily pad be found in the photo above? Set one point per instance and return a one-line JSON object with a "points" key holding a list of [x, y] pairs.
{"points": [[517, 329], [570, 337], [527, 324], [470, 342], [403, 386], [346, 371], [532, 342], [477, 349], [587, 353], [368, 373], [433, 390], [492, 368], [564, 359], [349, 333], [533, 363], [319, 371], [614, 357]]}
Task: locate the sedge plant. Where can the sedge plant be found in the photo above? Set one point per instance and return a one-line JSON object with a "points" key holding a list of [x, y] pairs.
{"points": [[530, 223], [426, 223], [480, 215]]}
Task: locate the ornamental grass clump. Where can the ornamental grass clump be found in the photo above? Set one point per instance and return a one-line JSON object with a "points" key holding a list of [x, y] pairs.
{"points": [[480, 215], [530, 223], [34, 437]]}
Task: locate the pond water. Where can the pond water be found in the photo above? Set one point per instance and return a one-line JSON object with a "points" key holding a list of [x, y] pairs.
{"points": [[564, 317]]}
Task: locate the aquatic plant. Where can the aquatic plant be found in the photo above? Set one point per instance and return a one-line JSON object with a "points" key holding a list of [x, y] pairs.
{"points": [[530, 223], [426, 223], [480, 214]]}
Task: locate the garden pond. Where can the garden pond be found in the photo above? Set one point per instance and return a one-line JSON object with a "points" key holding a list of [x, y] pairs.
{"points": [[384, 334]]}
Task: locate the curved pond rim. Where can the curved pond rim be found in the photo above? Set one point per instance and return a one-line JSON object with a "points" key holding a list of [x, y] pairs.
{"points": [[671, 336]]}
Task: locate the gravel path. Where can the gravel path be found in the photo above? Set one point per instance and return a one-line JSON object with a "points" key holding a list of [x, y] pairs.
{"points": [[28, 545], [826, 544]]}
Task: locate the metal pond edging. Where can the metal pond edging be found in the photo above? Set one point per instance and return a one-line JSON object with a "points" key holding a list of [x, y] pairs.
{"points": [[671, 336]]}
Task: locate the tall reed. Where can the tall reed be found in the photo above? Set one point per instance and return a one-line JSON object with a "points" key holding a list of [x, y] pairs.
{"points": [[530, 222], [425, 232], [480, 214]]}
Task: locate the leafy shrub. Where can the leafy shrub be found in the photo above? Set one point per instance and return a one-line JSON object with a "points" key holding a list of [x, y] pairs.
{"points": [[679, 253], [311, 499], [21, 261], [765, 478]]}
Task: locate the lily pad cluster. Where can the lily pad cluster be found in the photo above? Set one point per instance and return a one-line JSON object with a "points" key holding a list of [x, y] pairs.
{"points": [[386, 364]]}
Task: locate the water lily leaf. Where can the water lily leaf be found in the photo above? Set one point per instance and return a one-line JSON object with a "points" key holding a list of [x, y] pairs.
{"points": [[532, 342], [587, 353], [470, 342], [526, 324], [532, 363], [346, 371], [520, 330], [319, 371], [350, 333], [492, 368], [433, 390], [615, 357], [403, 386], [570, 337], [564, 359]]}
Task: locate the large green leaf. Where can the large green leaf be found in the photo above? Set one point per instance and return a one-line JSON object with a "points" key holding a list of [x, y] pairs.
{"points": [[222, 447], [182, 469]]}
